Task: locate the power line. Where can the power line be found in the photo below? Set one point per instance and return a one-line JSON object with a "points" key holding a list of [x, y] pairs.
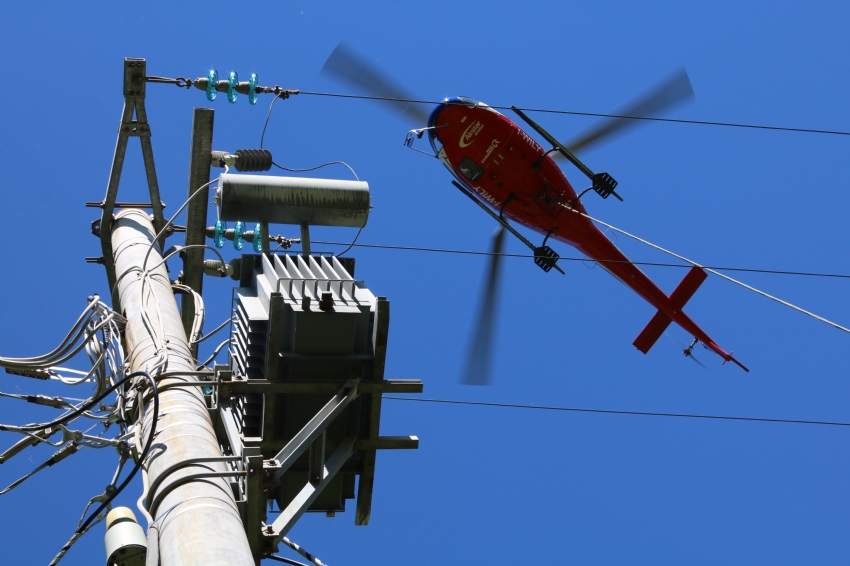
{"points": [[597, 114], [615, 412], [715, 272], [646, 263]]}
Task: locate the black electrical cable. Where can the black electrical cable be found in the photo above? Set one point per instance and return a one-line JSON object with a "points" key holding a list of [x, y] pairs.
{"points": [[615, 412], [351, 245], [82, 528], [88, 405], [600, 261], [266, 124], [595, 114], [76, 412], [285, 560], [294, 170]]}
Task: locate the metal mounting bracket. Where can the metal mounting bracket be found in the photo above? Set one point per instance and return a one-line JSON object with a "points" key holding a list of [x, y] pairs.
{"points": [[134, 123]]}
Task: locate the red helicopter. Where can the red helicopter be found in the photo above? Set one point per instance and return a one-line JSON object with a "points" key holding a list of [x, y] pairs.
{"points": [[512, 177]]}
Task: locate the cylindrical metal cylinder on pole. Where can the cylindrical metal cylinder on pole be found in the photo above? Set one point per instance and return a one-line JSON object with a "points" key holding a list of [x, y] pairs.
{"points": [[196, 521], [293, 200]]}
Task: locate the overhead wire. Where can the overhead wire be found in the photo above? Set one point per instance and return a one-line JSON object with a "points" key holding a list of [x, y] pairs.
{"points": [[84, 525], [619, 412], [584, 259], [214, 354], [297, 548], [293, 170], [213, 332], [68, 348], [268, 116], [593, 114], [78, 328], [105, 367], [79, 439], [715, 272], [57, 456]]}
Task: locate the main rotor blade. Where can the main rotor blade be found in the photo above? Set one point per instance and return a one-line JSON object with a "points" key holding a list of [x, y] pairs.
{"points": [[345, 64], [674, 90], [478, 364]]}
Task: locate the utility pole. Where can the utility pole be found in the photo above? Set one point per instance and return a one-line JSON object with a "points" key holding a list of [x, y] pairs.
{"points": [[291, 420], [196, 519]]}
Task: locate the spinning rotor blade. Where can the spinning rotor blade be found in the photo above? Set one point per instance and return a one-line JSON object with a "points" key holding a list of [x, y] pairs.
{"points": [[670, 92], [478, 363], [694, 358], [346, 65], [689, 351]]}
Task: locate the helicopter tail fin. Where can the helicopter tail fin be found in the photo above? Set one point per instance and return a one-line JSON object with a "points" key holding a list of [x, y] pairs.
{"points": [[659, 323]]}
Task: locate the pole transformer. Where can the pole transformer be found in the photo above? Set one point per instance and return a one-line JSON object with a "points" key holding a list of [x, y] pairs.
{"points": [[188, 490]]}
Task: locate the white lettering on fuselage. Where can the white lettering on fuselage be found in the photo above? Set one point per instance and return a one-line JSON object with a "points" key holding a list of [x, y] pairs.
{"points": [[487, 196], [528, 139], [493, 145]]}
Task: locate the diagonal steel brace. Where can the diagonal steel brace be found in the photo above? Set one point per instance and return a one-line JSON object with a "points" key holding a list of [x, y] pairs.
{"points": [[308, 494], [301, 442]]}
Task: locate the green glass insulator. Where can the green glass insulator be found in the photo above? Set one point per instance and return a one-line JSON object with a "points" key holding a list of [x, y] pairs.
{"points": [[252, 88], [212, 78], [232, 81], [238, 240], [218, 236]]}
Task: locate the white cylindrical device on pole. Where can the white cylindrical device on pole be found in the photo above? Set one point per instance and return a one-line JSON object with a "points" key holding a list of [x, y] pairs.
{"points": [[125, 541], [293, 200]]}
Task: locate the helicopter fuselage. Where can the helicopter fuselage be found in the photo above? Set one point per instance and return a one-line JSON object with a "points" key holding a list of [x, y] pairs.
{"points": [[503, 166]]}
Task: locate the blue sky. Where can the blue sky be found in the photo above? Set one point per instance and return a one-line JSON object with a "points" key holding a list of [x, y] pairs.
{"points": [[489, 485]]}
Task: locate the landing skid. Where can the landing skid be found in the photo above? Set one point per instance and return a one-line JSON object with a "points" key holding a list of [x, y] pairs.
{"points": [[544, 257]]}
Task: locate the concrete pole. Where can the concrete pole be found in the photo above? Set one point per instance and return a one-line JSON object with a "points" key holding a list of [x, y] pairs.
{"points": [[196, 523]]}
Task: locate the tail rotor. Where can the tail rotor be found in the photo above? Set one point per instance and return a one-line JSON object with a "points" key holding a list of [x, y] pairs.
{"points": [[688, 350]]}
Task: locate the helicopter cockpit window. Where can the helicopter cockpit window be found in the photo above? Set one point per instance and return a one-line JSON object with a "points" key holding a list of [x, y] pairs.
{"points": [[470, 169]]}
